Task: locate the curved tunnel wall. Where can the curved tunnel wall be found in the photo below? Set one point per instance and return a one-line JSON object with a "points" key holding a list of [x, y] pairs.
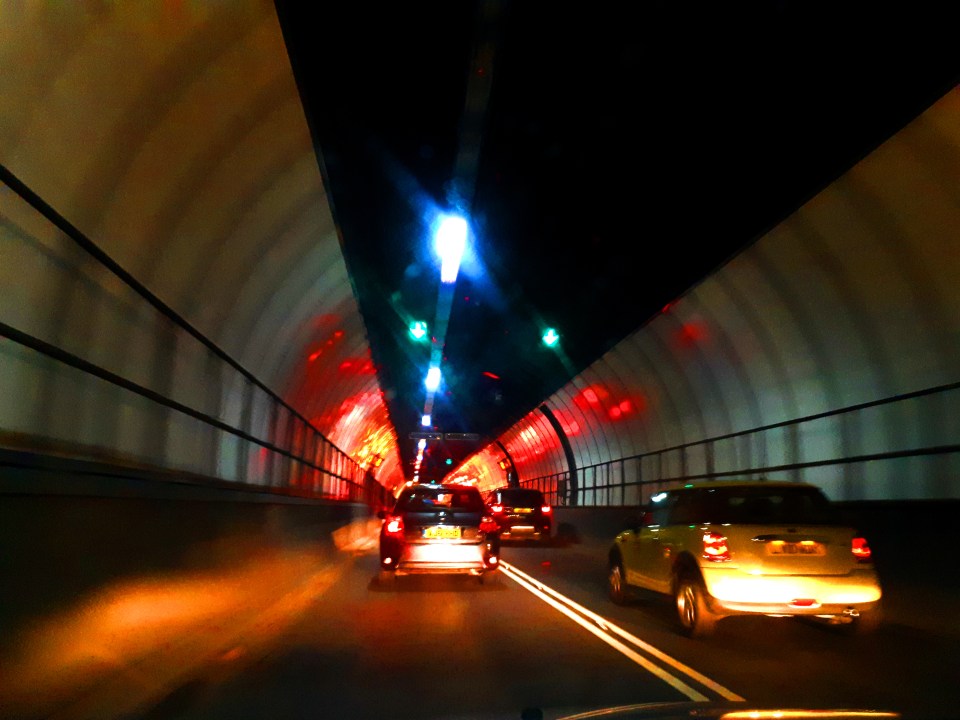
{"points": [[173, 137], [828, 351]]}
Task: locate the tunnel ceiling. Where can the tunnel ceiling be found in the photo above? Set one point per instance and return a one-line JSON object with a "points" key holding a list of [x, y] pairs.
{"points": [[609, 156]]}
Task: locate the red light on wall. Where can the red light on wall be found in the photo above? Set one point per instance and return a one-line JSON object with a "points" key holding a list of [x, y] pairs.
{"points": [[615, 412], [491, 375], [590, 395], [315, 355], [691, 334], [345, 365], [338, 334], [625, 406]]}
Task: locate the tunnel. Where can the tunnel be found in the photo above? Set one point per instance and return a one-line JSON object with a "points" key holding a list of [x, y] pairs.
{"points": [[186, 377]]}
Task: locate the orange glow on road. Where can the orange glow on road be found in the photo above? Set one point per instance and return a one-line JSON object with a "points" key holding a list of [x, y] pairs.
{"points": [[129, 644]]}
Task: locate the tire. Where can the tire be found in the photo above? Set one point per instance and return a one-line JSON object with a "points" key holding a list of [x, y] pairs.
{"points": [[387, 578], [617, 584], [694, 615]]}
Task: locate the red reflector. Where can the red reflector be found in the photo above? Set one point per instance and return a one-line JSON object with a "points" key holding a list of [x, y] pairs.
{"points": [[715, 547], [804, 602], [860, 549], [545, 509], [487, 524], [394, 526]]}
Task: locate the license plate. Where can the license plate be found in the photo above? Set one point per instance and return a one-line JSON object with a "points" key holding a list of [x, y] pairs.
{"points": [[441, 532], [804, 547], [523, 511]]}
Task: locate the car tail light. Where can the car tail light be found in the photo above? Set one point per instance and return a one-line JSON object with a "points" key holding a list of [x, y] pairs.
{"points": [[496, 508], [488, 524], [394, 525], [492, 560], [861, 551], [545, 509], [715, 547]]}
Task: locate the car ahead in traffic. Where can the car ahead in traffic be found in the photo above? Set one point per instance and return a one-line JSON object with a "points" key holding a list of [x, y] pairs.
{"points": [[747, 548], [438, 529], [521, 514]]}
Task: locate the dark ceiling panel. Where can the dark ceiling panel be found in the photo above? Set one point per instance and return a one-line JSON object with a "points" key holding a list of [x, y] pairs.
{"points": [[627, 150]]}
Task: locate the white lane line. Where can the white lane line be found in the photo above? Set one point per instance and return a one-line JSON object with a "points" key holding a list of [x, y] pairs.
{"points": [[611, 641], [605, 624]]}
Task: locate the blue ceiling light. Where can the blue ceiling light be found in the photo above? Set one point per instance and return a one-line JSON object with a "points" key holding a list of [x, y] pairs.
{"points": [[449, 242], [433, 378]]}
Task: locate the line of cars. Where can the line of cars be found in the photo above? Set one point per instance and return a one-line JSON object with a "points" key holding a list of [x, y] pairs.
{"points": [[453, 529], [717, 549]]}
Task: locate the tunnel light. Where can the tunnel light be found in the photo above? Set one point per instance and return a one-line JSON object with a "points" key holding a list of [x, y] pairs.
{"points": [[418, 330], [423, 443], [433, 378], [550, 337], [425, 421], [449, 242]]}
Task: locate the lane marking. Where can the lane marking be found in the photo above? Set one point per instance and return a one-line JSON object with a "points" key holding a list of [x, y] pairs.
{"points": [[647, 665], [604, 626]]}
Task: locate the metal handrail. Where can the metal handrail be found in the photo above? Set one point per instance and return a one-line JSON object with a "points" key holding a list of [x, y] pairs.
{"points": [[74, 233], [545, 482], [359, 488]]}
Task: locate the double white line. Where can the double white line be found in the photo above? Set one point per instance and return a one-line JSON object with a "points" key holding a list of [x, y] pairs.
{"points": [[606, 631]]}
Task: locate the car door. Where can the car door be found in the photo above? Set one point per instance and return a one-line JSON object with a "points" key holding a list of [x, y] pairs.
{"points": [[646, 566]]}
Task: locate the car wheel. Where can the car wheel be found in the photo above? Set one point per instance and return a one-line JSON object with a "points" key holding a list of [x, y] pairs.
{"points": [[696, 618], [387, 578], [616, 584]]}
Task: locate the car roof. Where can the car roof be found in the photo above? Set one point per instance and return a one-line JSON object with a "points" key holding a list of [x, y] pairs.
{"points": [[457, 487]]}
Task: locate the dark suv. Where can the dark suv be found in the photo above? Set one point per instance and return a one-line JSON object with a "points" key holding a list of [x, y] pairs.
{"points": [[521, 513], [435, 528]]}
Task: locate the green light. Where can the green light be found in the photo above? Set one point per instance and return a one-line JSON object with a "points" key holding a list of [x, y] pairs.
{"points": [[688, 485], [550, 337], [418, 329], [449, 461]]}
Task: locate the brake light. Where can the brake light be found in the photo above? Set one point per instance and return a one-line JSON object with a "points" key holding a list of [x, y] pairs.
{"points": [[496, 508], [715, 547], [488, 524], [861, 551], [394, 526], [545, 509]]}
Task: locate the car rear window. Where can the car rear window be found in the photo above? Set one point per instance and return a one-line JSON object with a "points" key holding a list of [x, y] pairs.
{"points": [[522, 498], [432, 498], [770, 505]]}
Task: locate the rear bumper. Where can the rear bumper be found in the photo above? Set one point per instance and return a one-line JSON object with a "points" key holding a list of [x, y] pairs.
{"points": [[525, 532], [736, 593], [443, 558]]}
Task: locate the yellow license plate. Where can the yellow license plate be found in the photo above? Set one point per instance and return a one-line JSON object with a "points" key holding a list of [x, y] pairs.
{"points": [[523, 511], [807, 547], [440, 532]]}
